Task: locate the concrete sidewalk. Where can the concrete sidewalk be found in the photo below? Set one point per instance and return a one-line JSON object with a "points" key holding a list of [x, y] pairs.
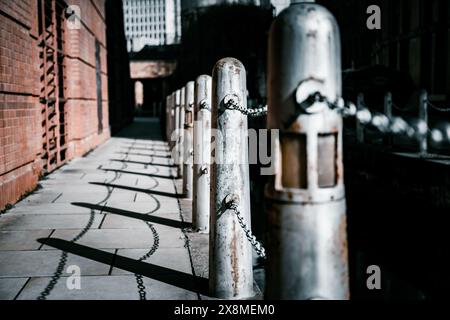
{"points": [[115, 216]]}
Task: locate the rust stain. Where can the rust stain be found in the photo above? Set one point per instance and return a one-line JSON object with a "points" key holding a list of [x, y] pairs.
{"points": [[233, 64], [343, 249], [234, 260], [297, 127]]}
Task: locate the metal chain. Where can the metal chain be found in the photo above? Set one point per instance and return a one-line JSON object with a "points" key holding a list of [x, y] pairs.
{"points": [[438, 108], [393, 125], [257, 112], [232, 205], [407, 108], [204, 106], [139, 277]]}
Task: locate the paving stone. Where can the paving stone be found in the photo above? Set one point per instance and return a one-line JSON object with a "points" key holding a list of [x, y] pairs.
{"points": [[41, 198], [124, 238], [129, 185], [115, 221], [9, 288], [75, 189], [101, 176], [22, 240], [36, 222], [49, 208], [146, 203], [171, 258], [95, 198], [44, 263], [170, 199], [107, 288]]}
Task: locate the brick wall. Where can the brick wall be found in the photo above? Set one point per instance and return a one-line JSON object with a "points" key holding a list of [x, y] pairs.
{"points": [[21, 130], [81, 89], [19, 104]]}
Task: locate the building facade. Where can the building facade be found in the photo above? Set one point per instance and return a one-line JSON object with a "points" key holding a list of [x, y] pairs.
{"points": [[151, 22], [53, 88]]}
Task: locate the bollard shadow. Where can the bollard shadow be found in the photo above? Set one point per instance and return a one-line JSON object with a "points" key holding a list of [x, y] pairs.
{"points": [[150, 175], [135, 215], [147, 191], [172, 277], [147, 149], [145, 163], [153, 143], [145, 155]]}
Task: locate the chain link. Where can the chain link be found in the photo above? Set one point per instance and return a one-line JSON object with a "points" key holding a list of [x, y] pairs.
{"points": [[257, 112], [139, 278], [259, 249], [407, 108], [204, 106], [438, 108], [417, 128]]}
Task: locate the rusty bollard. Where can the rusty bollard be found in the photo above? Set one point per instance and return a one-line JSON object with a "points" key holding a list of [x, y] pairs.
{"points": [[202, 154], [230, 264], [306, 208], [188, 140]]}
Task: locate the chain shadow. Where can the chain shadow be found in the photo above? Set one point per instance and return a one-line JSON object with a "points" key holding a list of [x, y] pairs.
{"points": [[147, 155], [135, 215], [151, 175], [149, 149], [173, 277], [156, 193], [145, 163]]}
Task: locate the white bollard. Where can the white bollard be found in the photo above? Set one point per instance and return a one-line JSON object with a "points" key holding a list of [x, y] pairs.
{"points": [[202, 154], [188, 137], [305, 200], [176, 134], [168, 116], [230, 265], [181, 132]]}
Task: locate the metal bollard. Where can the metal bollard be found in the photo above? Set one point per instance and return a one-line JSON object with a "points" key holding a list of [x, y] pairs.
{"points": [[181, 132], [202, 154], [423, 115], [188, 143], [387, 139], [359, 125], [168, 115], [305, 200], [172, 118], [230, 264], [176, 133]]}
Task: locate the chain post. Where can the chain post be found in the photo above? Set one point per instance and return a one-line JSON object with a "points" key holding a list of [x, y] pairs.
{"points": [[423, 116], [230, 264], [188, 137], [387, 139], [169, 117], [176, 134], [202, 154], [181, 120], [305, 199]]}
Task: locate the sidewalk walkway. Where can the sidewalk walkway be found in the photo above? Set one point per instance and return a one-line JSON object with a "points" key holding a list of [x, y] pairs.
{"points": [[114, 215]]}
